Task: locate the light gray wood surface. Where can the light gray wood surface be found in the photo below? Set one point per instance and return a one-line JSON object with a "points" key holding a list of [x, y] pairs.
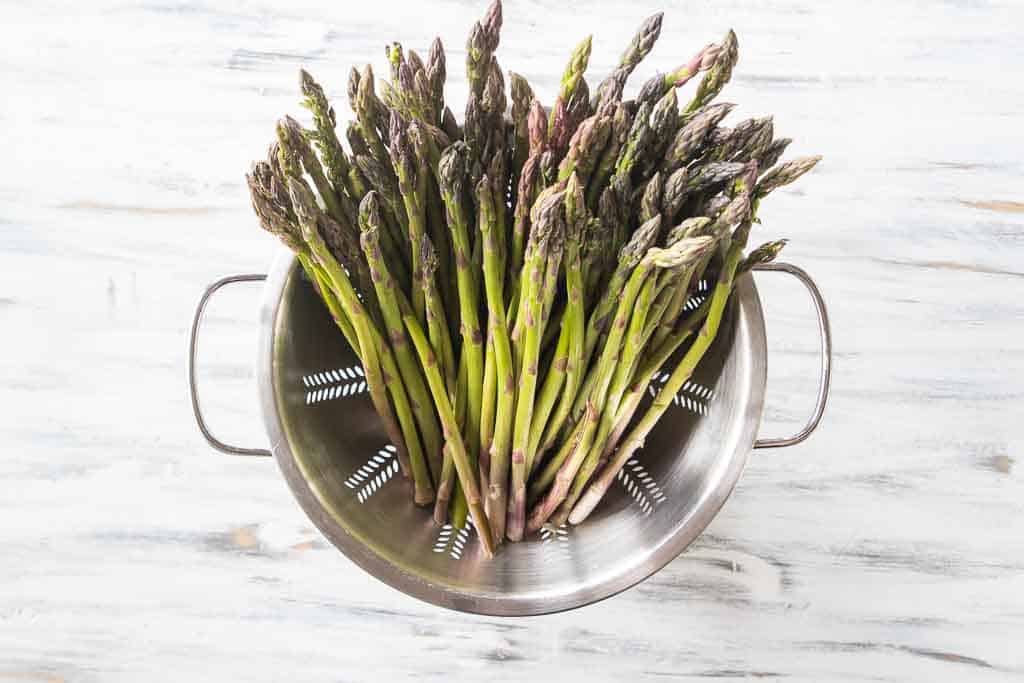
{"points": [[888, 547]]}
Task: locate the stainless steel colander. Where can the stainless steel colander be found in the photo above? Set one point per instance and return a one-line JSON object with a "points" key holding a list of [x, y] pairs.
{"points": [[336, 458]]}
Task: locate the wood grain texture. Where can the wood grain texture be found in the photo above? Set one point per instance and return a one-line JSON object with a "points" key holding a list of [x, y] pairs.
{"points": [[888, 547]]}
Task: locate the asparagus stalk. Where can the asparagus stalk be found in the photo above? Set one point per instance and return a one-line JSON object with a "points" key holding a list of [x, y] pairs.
{"points": [[372, 350], [600, 319], [500, 352], [452, 178], [546, 221], [391, 298], [683, 254], [683, 371], [718, 73], [656, 88], [453, 439], [412, 186], [572, 78], [639, 47], [567, 366], [437, 323], [562, 474]]}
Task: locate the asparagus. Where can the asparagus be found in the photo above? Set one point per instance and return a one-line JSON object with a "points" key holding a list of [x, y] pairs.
{"points": [[437, 323], [657, 86], [692, 136], [601, 316], [683, 254], [325, 138], [522, 97], [559, 121], [373, 353], [572, 236], [546, 224], [635, 440], [639, 47], [391, 299], [453, 440], [452, 172], [772, 153], [501, 352], [718, 73], [603, 372]]}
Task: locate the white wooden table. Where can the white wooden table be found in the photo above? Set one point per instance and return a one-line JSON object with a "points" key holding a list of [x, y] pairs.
{"points": [[888, 547]]}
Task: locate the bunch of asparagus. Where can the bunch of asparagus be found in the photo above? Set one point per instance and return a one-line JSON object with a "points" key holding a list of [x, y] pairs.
{"points": [[513, 284]]}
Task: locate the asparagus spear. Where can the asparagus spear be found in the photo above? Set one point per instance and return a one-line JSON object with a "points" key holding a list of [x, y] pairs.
{"points": [[529, 182], [601, 317], [500, 352], [639, 47], [437, 322], [718, 73], [374, 354], [656, 88], [635, 440], [683, 254], [734, 212], [772, 153], [620, 129], [391, 298], [325, 138], [452, 174], [546, 220], [572, 78], [522, 97], [603, 372], [692, 136], [454, 444]]}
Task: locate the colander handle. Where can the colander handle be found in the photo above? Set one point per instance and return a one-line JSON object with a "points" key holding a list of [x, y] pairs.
{"points": [[825, 376], [193, 350]]}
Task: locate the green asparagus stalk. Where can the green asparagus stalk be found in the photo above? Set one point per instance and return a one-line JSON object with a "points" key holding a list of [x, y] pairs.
{"points": [[691, 138], [571, 79], [391, 298], [610, 89], [562, 475], [372, 350], [620, 128], [565, 367], [645, 373], [683, 254], [452, 174], [601, 317], [412, 184], [773, 153], [734, 212], [718, 73], [656, 88], [370, 114], [522, 97], [585, 147], [436, 73], [500, 351], [325, 138], [453, 439], [488, 406], [683, 371], [437, 322], [546, 221], [529, 183]]}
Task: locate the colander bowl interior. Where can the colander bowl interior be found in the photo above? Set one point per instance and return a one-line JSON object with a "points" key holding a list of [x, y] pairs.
{"points": [[336, 458]]}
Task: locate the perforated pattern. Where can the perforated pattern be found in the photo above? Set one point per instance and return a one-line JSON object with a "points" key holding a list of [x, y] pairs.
{"points": [[331, 384]]}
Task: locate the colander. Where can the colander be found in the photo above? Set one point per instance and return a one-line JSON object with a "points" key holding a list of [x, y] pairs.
{"points": [[333, 452]]}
